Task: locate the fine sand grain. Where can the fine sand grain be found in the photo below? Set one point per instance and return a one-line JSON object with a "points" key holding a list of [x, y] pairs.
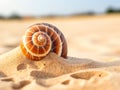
{"points": [[93, 61], [54, 72]]}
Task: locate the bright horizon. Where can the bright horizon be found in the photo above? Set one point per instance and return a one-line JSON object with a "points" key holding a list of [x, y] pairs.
{"points": [[58, 7]]}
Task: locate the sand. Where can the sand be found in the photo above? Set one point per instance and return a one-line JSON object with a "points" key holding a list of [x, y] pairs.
{"points": [[93, 60]]}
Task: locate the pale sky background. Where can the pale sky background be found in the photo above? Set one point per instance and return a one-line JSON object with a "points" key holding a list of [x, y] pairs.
{"points": [[62, 7]]}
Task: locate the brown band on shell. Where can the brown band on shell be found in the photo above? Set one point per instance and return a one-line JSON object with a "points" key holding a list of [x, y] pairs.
{"points": [[28, 55], [64, 43]]}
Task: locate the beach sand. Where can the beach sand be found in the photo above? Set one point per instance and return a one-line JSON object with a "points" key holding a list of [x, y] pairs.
{"points": [[93, 61]]}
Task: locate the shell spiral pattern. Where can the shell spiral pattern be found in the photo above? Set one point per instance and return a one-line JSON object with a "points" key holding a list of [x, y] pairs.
{"points": [[42, 38]]}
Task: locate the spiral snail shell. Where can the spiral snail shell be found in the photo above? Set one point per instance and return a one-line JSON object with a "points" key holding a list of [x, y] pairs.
{"points": [[41, 39]]}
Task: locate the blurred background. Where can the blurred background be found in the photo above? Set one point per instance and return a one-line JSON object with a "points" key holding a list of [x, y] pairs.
{"points": [[92, 28]]}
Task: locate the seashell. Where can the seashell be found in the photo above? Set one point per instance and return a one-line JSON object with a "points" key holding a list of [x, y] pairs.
{"points": [[42, 38]]}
